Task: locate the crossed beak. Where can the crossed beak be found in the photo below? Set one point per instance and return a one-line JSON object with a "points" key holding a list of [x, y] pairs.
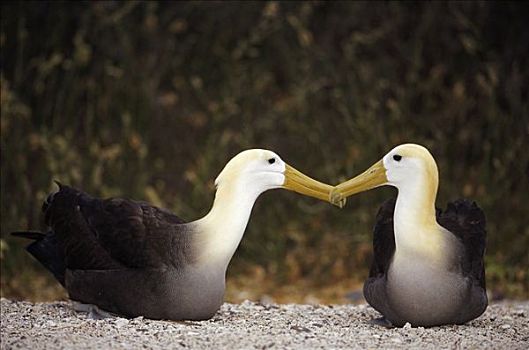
{"points": [[373, 177], [298, 182]]}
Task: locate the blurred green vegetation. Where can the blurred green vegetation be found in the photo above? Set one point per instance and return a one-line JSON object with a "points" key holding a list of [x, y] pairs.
{"points": [[149, 100]]}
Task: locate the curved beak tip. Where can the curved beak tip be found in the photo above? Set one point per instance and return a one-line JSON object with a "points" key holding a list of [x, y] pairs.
{"points": [[337, 199]]}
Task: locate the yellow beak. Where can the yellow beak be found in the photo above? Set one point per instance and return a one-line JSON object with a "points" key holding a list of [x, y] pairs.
{"points": [[298, 182], [373, 177]]}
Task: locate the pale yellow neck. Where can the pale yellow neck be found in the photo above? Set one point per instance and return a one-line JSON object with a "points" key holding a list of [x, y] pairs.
{"points": [[416, 229], [220, 231]]}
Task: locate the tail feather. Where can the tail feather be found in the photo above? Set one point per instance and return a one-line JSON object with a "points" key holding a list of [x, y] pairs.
{"points": [[47, 250]]}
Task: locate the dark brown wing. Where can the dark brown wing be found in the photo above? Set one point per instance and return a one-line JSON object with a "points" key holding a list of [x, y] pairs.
{"points": [[467, 222], [383, 250], [114, 233], [383, 239]]}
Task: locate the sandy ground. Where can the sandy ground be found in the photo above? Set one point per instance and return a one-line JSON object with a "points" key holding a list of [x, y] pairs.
{"points": [[251, 325]]}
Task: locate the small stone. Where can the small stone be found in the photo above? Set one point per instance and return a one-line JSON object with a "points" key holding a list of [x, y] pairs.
{"points": [[121, 322], [407, 325], [300, 329], [247, 303], [505, 326], [266, 300]]}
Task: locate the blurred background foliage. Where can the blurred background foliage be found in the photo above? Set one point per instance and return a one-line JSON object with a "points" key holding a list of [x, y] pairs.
{"points": [[149, 100]]}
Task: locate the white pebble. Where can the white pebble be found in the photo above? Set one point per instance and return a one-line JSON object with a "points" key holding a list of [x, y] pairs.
{"points": [[120, 322]]}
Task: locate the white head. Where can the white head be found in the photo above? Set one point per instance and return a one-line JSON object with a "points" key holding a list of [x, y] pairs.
{"points": [[406, 166], [256, 170]]}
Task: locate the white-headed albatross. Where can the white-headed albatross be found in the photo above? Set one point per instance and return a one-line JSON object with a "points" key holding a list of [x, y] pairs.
{"points": [[134, 259], [428, 266]]}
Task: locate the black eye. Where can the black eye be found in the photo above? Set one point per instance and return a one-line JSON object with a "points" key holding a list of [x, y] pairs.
{"points": [[271, 160], [397, 157]]}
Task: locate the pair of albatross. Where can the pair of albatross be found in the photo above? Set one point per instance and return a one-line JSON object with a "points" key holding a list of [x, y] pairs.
{"points": [[133, 259]]}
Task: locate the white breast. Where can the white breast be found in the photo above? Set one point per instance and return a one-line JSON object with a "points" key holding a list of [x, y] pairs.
{"points": [[422, 292]]}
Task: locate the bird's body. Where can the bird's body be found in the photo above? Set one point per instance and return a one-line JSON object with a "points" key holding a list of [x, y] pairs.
{"points": [[131, 258], [428, 265], [413, 288], [134, 259]]}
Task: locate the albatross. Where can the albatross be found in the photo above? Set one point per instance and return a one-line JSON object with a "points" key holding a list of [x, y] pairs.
{"points": [[428, 265], [130, 258]]}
